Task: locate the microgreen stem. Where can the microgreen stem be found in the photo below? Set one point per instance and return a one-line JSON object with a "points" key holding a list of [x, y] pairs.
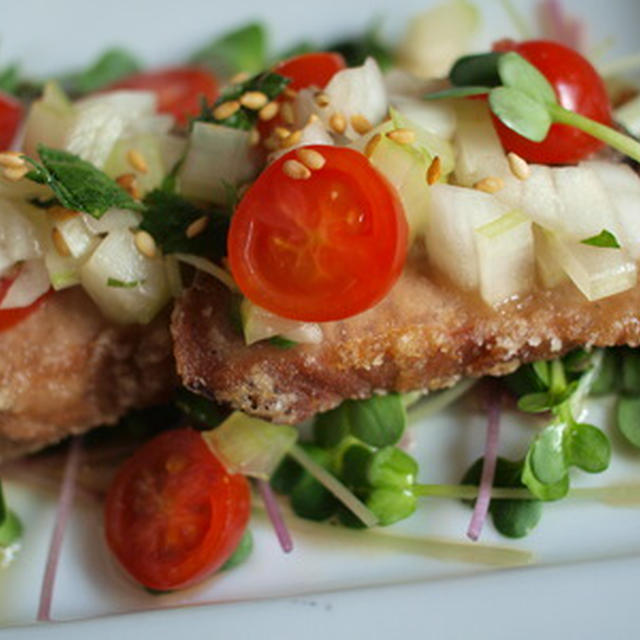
{"points": [[613, 138]]}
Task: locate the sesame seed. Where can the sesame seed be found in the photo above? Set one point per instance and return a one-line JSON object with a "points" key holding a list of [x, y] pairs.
{"points": [[292, 140], [290, 93], [311, 158], [226, 109], [434, 171], [286, 111], [254, 137], [12, 160], [137, 161], [145, 244], [338, 122], [322, 99], [373, 142], [14, 175], [282, 132], [254, 100], [312, 118], [360, 124], [128, 182], [271, 143], [519, 166], [269, 111], [296, 170], [239, 78], [402, 136], [492, 184], [60, 243], [197, 227]]}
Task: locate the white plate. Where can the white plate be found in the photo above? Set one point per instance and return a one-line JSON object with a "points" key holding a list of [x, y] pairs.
{"points": [[588, 554]]}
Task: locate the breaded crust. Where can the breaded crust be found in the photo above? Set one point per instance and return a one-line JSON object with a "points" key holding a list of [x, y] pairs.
{"points": [[66, 369], [424, 335]]}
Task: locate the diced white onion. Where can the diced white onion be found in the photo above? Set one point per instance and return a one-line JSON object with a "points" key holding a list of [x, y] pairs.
{"points": [[260, 324], [19, 237], [438, 117], [111, 220], [548, 268], [77, 236], [202, 264], [312, 133], [31, 283]]}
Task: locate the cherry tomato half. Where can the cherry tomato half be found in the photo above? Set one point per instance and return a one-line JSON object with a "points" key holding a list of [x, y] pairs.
{"points": [[173, 514], [311, 69], [11, 317], [10, 116], [318, 248], [578, 87], [179, 89]]}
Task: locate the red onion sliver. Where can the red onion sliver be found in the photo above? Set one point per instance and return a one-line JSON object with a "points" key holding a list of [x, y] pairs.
{"points": [[271, 505], [65, 501], [488, 469]]}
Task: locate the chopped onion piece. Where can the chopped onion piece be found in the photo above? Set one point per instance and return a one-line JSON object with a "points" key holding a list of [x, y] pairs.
{"points": [[112, 220], [202, 264], [31, 283], [259, 324], [436, 116], [250, 446], [20, 238], [77, 235], [488, 470]]}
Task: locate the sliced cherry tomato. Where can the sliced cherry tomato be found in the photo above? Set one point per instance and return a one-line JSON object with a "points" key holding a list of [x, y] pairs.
{"points": [[10, 116], [11, 317], [173, 514], [179, 89], [311, 69], [319, 248], [578, 87]]}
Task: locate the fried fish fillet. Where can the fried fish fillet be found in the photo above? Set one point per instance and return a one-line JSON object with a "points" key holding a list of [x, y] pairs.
{"points": [[424, 335], [66, 369]]}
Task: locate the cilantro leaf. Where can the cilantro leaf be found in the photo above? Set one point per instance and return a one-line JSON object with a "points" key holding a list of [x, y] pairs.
{"points": [[269, 83], [605, 239], [167, 217], [243, 49], [77, 184], [111, 66]]}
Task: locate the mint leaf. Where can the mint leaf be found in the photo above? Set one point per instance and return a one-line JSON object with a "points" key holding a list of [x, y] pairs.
{"points": [[167, 217], [604, 239], [269, 83], [243, 49], [111, 66], [77, 184]]}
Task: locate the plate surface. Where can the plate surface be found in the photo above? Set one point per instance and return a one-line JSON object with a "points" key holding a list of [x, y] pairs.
{"points": [[587, 555]]}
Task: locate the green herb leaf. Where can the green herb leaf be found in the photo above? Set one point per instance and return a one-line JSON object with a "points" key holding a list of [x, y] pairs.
{"points": [[269, 83], [548, 492], [475, 70], [604, 239], [628, 419], [517, 73], [516, 518], [520, 112], [391, 467], [355, 466], [111, 66], [391, 505], [548, 461], [607, 380], [309, 498], [281, 343], [167, 217], [243, 49], [379, 421], [10, 525], [588, 448], [457, 92], [331, 427], [536, 402], [77, 184]]}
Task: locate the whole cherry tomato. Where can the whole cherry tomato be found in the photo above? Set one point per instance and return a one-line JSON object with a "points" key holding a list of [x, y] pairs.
{"points": [[318, 244], [578, 88], [311, 69], [179, 89], [10, 116], [173, 514]]}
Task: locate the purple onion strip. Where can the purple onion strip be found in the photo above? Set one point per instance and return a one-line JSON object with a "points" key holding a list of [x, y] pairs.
{"points": [[488, 470], [65, 502], [271, 505]]}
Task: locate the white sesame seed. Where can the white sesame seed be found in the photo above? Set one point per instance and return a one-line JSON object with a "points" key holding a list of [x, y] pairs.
{"points": [[492, 184], [12, 160], [311, 158], [128, 182], [360, 124], [338, 122], [254, 100], [296, 170], [145, 244], [137, 161], [239, 78], [226, 109], [519, 166], [269, 111], [286, 110], [14, 175], [322, 99], [197, 227], [371, 145], [434, 171], [291, 140], [290, 93], [402, 136]]}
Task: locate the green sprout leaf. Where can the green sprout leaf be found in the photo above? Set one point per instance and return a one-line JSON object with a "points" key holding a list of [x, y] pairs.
{"points": [[475, 70], [548, 461], [628, 419], [547, 492], [536, 402], [517, 73], [588, 448], [393, 468], [378, 421], [520, 112], [391, 505], [605, 239]]}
